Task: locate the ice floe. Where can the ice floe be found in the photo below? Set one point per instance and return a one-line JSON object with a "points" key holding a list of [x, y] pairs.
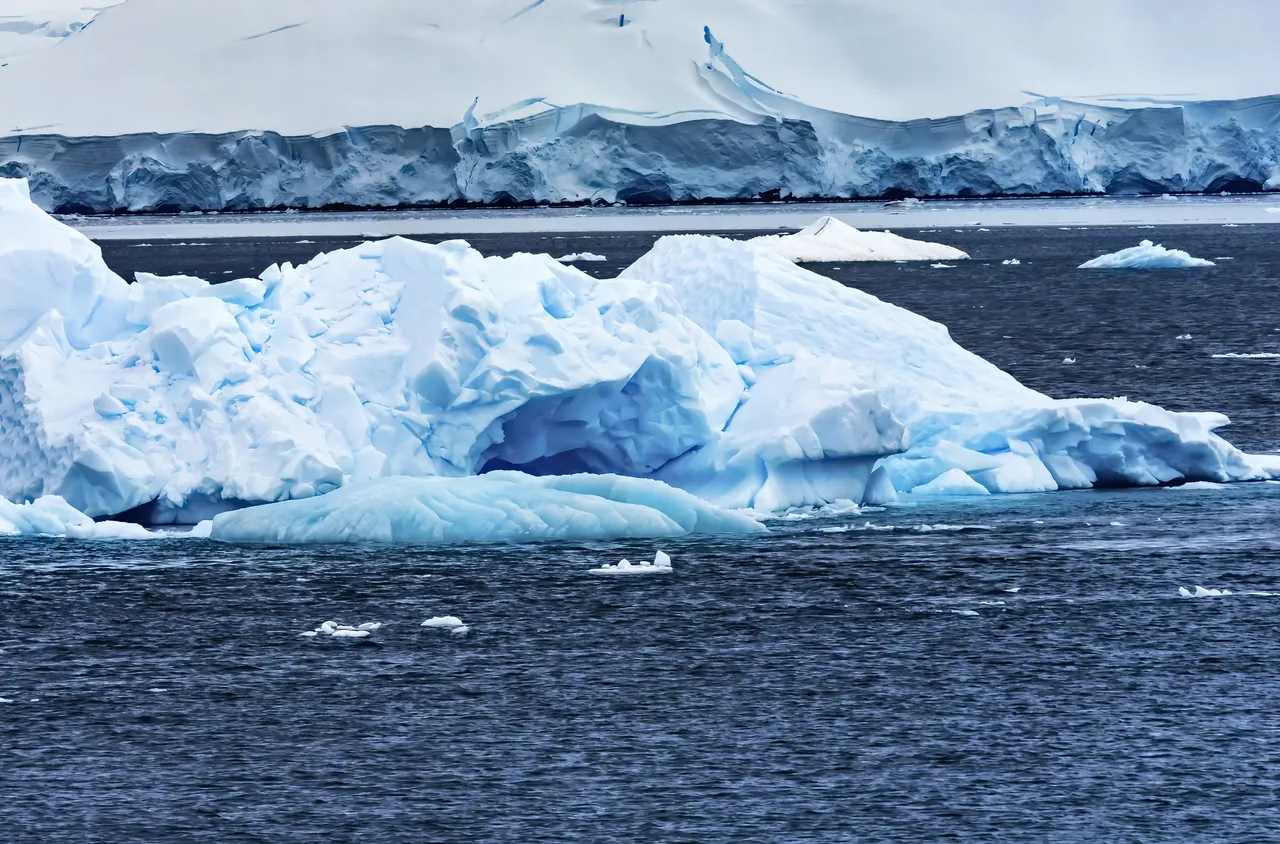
{"points": [[1011, 262], [1202, 592], [344, 631], [661, 565], [576, 257], [451, 622], [1248, 356], [1145, 256], [828, 240]]}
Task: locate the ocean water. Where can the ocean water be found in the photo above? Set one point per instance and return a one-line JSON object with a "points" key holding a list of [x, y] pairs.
{"points": [[1016, 668]]}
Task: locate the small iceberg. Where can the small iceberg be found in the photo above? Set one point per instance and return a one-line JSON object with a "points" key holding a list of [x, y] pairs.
{"points": [[1146, 256], [828, 239], [661, 565], [1011, 262], [1201, 592], [942, 266], [450, 622], [1248, 356], [577, 257], [344, 631]]}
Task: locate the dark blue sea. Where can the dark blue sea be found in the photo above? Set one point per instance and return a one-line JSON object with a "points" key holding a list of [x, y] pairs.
{"points": [[1015, 668]]}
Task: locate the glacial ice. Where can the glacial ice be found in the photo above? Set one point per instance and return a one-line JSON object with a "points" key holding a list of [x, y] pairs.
{"points": [[661, 565], [577, 109], [576, 257], [50, 515], [496, 507], [1145, 256], [829, 240], [711, 374]]}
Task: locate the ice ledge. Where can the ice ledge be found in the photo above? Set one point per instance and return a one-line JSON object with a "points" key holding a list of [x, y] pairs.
{"points": [[580, 154]]}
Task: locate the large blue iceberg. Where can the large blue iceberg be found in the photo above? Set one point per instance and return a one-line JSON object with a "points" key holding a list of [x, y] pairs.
{"points": [[710, 366]]}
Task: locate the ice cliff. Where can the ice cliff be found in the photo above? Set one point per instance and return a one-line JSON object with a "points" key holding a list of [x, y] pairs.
{"points": [[238, 105], [710, 365]]}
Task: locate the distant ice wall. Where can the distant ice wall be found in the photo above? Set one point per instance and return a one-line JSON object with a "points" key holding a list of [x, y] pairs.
{"points": [[584, 154]]}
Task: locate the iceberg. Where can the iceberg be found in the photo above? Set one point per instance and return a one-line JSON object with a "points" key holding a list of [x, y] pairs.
{"points": [[959, 411], [496, 507], [828, 240], [1145, 256], [710, 374], [50, 515]]}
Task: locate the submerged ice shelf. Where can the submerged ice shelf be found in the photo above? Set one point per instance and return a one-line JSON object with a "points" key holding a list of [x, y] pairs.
{"points": [[402, 391]]}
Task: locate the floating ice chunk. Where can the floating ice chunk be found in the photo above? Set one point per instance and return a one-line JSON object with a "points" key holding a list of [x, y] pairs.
{"points": [[951, 482], [1068, 360], [829, 240], [460, 631], [966, 612], [991, 603], [6, 700], [661, 565], [1202, 592], [949, 528], [496, 507], [1198, 485], [942, 266], [575, 257], [343, 631], [1145, 256], [1014, 589], [1011, 262], [1183, 337], [1248, 356], [450, 621], [1117, 524]]}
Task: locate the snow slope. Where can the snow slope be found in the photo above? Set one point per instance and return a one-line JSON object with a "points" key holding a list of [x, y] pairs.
{"points": [[29, 26], [710, 365], [407, 102]]}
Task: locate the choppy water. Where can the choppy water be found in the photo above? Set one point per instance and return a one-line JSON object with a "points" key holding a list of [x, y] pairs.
{"points": [[836, 680]]}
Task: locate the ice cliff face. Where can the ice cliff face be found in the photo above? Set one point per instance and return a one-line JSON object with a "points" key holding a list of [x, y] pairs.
{"points": [[579, 155], [710, 365], [654, 108]]}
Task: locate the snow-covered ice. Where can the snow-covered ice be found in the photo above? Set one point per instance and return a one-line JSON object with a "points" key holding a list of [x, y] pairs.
{"points": [[1202, 592], [404, 374], [829, 240], [575, 257], [344, 631], [446, 621], [1145, 256], [1011, 262], [1248, 356], [570, 106], [661, 565]]}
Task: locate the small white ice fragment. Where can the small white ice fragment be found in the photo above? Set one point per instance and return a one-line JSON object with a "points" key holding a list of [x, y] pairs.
{"points": [[157, 689], [1014, 589], [575, 257], [460, 631], [369, 625], [1011, 262], [1201, 592], [661, 565], [1068, 360], [451, 621], [965, 612], [5, 700], [1118, 524], [308, 633], [943, 266], [1183, 337], [347, 633]]}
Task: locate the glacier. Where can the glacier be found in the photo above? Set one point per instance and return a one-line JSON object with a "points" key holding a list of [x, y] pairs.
{"points": [[1146, 256], [670, 107], [710, 370]]}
